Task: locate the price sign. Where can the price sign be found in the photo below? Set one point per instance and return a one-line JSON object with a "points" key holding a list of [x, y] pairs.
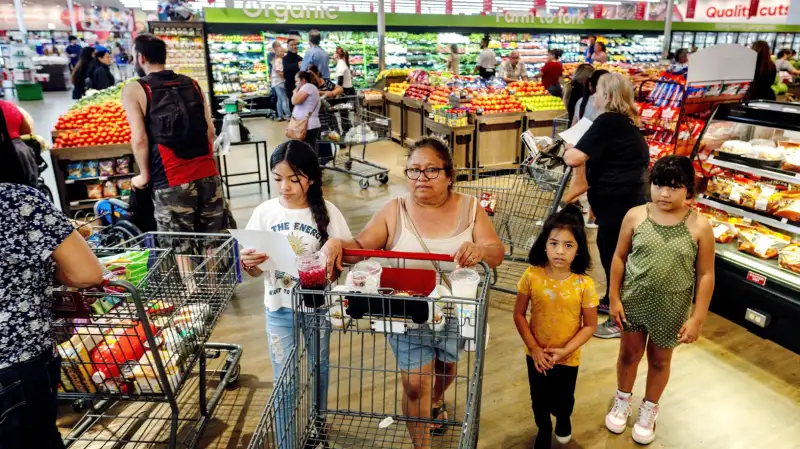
{"points": [[756, 278]]}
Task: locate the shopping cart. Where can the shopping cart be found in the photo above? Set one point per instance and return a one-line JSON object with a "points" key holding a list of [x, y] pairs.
{"points": [[130, 346], [561, 124], [109, 223], [345, 122], [518, 202], [362, 405]]}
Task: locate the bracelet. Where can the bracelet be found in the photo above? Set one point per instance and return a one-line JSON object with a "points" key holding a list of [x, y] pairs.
{"points": [[245, 267]]}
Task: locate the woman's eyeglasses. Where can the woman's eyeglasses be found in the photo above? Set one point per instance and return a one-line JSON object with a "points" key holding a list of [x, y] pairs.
{"points": [[430, 173]]}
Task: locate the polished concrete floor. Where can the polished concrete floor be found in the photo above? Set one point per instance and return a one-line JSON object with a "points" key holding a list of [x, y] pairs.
{"points": [[729, 390]]}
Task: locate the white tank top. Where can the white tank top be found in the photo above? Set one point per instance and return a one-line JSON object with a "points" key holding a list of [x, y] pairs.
{"points": [[405, 240]]}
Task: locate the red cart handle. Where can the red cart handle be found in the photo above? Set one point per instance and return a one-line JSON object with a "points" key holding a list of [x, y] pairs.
{"points": [[396, 255]]}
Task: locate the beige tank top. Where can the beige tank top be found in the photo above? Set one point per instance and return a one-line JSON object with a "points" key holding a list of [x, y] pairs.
{"points": [[405, 240]]}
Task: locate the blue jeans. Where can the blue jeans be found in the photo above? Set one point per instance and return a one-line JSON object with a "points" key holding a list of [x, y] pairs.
{"points": [[283, 101], [281, 337]]}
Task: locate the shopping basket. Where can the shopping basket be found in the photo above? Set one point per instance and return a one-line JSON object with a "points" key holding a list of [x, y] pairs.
{"points": [[346, 123], [131, 345], [518, 202], [362, 405]]}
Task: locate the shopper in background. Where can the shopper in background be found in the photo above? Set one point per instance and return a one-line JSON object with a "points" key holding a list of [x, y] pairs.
{"points": [[585, 105], [123, 60], [784, 62], [765, 73], [616, 157], [453, 60], [39, 246], [600, 54], [557, 329], [100, 77], [487, 60], [576, 86], [81, 72], [301, 205], [279, 85], [316, 55], [327, 88], [587, 54], [15, 122], [305, 98], [512, 69], [552, 71], [344, 77], [174, 159], [430, 219], [663, 262], [276, 45], [291, 65], [73, 51]]}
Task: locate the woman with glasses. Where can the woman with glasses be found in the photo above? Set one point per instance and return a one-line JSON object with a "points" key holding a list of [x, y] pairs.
{"points": [[431, 218]]}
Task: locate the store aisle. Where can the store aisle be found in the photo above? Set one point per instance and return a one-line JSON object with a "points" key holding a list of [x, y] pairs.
{"points": [[729, 390]]}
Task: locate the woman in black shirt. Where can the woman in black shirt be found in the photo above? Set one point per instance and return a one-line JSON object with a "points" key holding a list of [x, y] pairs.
{"points": [[765, 73], [616, 158]]}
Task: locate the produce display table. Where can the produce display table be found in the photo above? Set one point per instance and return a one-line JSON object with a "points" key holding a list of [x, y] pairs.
{"points": [[413, 120], [73, 192], [540, 123], [461, 140], [497, 141], [394, 110]]}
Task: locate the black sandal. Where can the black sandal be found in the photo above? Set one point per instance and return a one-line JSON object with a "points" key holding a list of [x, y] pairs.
{"points": [[436, 413]]}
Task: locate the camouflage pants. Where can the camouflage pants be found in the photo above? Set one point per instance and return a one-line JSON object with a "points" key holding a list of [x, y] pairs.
{"points": [[196, 207]]}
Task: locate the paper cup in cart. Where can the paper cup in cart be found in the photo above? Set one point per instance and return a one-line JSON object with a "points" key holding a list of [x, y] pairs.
{"points": [[464, 282]]}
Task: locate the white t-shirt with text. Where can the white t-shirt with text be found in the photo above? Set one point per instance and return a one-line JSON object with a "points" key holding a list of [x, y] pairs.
{"points": [[301, 229]]}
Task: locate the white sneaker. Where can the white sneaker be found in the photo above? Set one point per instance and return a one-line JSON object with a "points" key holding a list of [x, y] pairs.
{"points": [[644, 430], [617, 418]]}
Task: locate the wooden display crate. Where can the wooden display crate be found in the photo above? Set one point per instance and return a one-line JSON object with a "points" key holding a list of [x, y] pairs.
{"points": [[461, 140], [394, 110], [540, 123], [413, 120], [69, 190], [497, 141]]}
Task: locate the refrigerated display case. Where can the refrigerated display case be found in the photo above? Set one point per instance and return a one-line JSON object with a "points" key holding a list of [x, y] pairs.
{"points": [[727, 38], [186, 49], [751, 156], [782, 40], [768, 38]]}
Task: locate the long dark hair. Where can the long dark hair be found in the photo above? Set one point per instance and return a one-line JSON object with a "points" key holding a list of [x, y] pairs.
{"points": [[591, 88], [304, 162], [86, 58], [764, 62], [570, 219], [344, 55], [12, 169]]}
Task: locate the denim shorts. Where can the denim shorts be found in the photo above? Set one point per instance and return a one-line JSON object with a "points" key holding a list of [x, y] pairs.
{"points": [[418, 347]]}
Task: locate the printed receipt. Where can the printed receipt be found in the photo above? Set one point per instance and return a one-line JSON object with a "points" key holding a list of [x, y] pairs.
{"points": [[574, 134], [273, 244]]}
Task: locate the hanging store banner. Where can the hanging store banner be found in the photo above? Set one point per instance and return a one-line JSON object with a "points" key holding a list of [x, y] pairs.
{"points": [[487, 6], [691, 7], [641, 8], [448, 7], [754, 9]]}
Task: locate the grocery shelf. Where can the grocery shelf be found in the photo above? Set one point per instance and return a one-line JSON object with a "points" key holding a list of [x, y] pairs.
{"points": [[777, 176], [782, 224], [769, 268], [89, 202]]}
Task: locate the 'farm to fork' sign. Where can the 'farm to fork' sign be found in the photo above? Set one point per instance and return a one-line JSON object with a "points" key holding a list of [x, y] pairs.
{"points": [[529, 16]]}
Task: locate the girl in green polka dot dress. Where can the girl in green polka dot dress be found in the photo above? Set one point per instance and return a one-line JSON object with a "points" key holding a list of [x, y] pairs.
{"points": [[664, 260]]}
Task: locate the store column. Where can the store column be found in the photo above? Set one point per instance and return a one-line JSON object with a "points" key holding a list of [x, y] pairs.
{"points": [[381, 35], [20, 17], [71, 10], [667, 28]]}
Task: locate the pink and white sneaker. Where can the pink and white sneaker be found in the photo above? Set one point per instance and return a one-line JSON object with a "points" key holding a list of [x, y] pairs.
{"points": [[644, 430], [617, 418]]}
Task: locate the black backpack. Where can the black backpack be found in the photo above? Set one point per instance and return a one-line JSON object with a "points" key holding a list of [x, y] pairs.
{"points": [[176, 114]]}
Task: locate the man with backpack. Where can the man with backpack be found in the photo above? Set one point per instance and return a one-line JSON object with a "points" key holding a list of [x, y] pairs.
{"points": [[172, 135]]}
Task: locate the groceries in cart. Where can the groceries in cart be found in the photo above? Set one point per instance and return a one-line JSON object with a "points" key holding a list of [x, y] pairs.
{"points": [[360, 134]]}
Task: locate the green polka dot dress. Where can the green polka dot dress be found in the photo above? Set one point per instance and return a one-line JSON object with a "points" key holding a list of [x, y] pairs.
{"points": [[659, 280]]}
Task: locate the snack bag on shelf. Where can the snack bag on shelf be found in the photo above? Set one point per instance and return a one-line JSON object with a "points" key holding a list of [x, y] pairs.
{"points": [[94, 190], [90, 169], [106, 167], [124, 186], [75, 170], [713, 90], [123, 165], [110, 189], [696, 90], [789, 257], [649, 114]]}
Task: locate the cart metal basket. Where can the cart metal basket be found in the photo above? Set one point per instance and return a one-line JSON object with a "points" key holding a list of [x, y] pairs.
{"points": [[518, 202], [137, 338], [343, 385], [346, 123]]}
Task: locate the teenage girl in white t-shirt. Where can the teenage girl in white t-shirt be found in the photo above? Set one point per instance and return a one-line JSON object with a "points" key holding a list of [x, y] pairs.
{"points": [[344, 77], [301, 213]]}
